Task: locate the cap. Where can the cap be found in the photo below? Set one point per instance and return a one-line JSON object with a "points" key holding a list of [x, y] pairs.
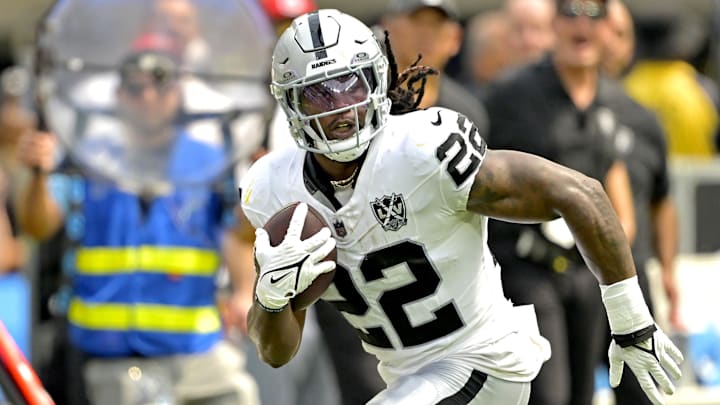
{"points": [[449, 7], [157, 42], [287, 9], [153, 52]]}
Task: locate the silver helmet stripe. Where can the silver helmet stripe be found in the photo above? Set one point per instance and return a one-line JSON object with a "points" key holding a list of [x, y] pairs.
{"points": [[316, 35]]}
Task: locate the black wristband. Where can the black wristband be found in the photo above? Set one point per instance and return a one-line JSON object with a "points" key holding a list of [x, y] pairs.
{"points": [[271, 310], [635, 337]]}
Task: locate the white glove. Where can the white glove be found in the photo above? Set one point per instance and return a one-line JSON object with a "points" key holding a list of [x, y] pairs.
{"points": [[647, 360], [289, 268], [638, 342]]}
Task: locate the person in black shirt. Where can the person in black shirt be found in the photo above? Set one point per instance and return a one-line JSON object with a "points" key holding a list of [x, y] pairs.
{"points": [[430, 29], [557, 108]]}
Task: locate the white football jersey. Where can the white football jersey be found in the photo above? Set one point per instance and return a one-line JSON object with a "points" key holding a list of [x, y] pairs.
{"points": [[414, 273]]}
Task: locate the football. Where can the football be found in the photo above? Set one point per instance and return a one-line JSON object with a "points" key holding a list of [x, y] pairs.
{"points": [[276, 228]]}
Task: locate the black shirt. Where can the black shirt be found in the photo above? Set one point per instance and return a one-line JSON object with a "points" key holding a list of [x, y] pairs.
{"points": [[640, 142], [531, 111]]}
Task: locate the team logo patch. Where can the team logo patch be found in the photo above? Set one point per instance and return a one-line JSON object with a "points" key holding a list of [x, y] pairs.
{"points": [[389, 210]]}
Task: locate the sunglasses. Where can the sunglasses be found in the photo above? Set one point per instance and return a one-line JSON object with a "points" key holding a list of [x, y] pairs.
{"points": [[588, 8], [153, 71]]}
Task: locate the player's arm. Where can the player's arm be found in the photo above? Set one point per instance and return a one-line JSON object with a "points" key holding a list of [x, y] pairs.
{"points": [[524, 188], [521, 187], [277, 335], [273, 326]]}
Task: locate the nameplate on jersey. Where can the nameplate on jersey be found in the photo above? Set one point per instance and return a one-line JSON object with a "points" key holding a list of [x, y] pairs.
{"points": [[389, 210]]}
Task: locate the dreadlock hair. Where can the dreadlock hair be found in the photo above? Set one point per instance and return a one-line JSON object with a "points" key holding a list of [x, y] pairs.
{"points": [[403, 89]]}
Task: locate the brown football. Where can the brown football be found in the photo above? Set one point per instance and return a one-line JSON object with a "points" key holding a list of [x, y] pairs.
{"points": [[276, 228]]}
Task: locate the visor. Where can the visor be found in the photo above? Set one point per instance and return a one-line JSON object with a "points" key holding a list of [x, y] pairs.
{"points": [[333, 94]]}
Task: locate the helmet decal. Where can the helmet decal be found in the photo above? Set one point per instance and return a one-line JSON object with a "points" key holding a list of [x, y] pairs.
{"points": [[317, 35]]}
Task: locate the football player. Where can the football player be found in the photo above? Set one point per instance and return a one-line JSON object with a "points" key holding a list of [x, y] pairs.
{"points": [[407, 195]]}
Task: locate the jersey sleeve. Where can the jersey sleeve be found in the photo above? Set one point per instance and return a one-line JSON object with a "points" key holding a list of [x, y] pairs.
{"points": [[452, 146], [255, 188]]}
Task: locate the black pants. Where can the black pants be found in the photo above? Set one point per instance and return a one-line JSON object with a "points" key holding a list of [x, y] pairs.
{"points": [[570, 315]]}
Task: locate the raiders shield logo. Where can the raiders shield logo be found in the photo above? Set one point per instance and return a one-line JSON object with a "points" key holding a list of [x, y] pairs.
{"points": [[390, 211]]}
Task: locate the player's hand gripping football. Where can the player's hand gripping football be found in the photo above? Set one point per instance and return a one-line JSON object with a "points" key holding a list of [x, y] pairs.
{"points": [[289, 268], [638, 342]]}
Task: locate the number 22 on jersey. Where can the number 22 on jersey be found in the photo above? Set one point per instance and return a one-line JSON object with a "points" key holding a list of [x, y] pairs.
{"points": [[412, 254]]}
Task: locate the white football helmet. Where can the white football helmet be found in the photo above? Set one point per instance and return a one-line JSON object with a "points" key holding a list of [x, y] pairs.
{"points": [[327, 63]]}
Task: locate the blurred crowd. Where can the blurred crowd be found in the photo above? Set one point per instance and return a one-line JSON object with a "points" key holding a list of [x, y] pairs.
{"points": [[125, 279]]}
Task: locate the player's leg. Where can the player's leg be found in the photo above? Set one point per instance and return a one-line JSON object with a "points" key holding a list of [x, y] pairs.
{"points": [[497, 391], [451, 382]]}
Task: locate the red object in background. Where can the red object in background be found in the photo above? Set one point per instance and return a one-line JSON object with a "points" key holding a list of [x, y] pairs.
{"points": [[287, 9], [21, 372], [157, 42]]}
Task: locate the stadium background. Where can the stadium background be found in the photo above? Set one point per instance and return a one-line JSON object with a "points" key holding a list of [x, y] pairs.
{"points": [[696, 183]]}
